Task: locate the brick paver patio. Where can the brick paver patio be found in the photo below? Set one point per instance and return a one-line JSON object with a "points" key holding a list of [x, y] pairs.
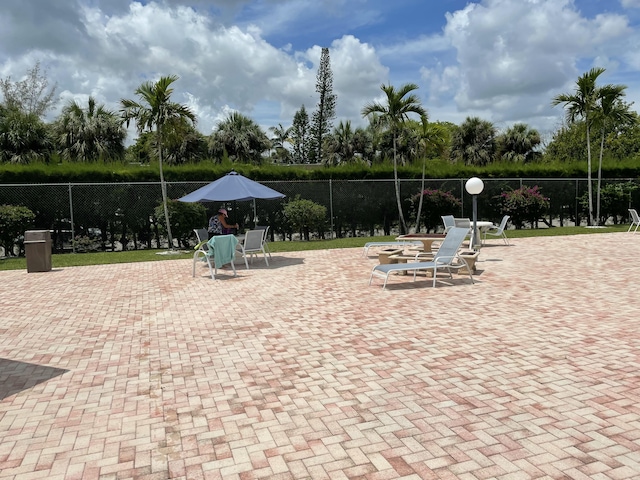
{"points": [[301, 370]]}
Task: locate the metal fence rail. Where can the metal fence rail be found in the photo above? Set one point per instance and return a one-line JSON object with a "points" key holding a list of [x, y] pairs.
{"points": [[124, 212]]}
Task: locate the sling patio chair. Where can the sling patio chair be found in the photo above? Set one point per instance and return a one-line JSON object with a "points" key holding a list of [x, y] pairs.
{"points": [[635, 220], [253, 244], [498, 231], [220, 249], [449, 222], [447, 257]]}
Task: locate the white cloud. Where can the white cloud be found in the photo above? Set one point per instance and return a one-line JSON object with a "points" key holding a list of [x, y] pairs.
{"points": [[514, 55], [502, 60]]}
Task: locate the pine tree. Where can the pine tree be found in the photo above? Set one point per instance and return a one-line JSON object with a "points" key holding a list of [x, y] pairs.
{"points": [[300, 136], [326, 110]]}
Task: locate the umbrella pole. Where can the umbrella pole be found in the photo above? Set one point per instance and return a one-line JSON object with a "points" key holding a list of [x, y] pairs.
{"points": [[255, 215]]}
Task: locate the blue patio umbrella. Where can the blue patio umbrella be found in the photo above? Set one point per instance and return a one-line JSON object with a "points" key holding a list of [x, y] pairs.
{"points": [[232, 186]]}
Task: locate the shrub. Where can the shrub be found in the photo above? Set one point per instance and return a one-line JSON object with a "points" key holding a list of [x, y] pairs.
{"points": [[305, 216], [435, 203], [526, 204], [14, 220], [614, 202], [184, 217]]}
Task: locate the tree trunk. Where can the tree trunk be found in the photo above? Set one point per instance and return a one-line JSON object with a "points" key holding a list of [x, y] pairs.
{"points": [[589, 186], [403, 225], [164, 190]]}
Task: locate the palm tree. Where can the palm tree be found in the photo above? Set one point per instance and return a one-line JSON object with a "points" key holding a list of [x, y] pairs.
{"points": [[24, 138], [155, 111], [280, 136], [473, 142], [518, 142], [340, 144], [400, 103], [581, 105], [611, 110], [90, 134], [241, 138]]}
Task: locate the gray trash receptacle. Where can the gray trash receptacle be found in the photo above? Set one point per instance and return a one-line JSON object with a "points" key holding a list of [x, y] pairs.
{"points": [[37, 248]]}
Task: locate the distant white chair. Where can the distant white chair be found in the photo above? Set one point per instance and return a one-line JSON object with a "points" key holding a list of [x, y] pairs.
{"points": [[449, 222], [253, 244], [499, 230], [635, 220]]}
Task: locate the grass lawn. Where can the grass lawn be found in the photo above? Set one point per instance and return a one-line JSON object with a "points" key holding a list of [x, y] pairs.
{"points": [[101, 258]]}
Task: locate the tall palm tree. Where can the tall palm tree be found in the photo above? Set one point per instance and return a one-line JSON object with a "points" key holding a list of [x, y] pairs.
{"points": [[399, 104], [89, 134], [581, 105], [154, 111], [611, 110]]}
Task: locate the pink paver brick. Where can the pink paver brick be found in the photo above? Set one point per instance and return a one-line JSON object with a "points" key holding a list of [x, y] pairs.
{"points": [[134, 370]]}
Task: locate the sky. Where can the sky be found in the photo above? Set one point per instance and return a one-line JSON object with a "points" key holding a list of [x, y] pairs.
{"points": [[500, 60]]}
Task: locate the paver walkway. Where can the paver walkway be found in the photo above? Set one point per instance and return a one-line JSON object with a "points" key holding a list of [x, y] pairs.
{"points": [[303, 371]]}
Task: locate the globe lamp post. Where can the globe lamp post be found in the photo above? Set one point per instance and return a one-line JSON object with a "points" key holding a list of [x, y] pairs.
{"points": [[474, 187]]}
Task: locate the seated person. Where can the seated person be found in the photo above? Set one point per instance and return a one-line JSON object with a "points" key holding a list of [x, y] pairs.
{"points": [[218, 224]]}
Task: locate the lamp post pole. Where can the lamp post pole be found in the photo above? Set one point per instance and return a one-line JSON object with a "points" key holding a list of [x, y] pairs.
{"points": [[474, 187]]}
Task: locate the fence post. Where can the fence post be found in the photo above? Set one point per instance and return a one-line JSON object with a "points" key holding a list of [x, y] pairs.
{"points": [[331, 206], [73, 232]]}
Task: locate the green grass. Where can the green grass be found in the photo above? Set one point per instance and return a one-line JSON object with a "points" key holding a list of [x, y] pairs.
{"points": [[101, 258]]}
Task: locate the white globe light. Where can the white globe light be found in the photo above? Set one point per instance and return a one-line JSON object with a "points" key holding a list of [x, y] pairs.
{"points": [[474, 186]]}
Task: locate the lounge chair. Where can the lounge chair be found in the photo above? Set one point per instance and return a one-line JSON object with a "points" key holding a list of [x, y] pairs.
{"points": [[635, 219], [499, 230], [220, 249], [447, 257]]}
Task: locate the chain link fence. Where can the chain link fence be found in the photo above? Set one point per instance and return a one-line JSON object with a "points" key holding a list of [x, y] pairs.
{"points": [[113, 216]]}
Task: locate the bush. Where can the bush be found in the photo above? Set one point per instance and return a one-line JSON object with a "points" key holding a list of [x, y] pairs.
{"points": [[434, 203], [305, 216], [184, 217], [526, 204], [14, 220], [615, 199]]}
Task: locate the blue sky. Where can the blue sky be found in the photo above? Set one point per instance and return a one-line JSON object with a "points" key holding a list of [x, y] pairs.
{"points": [[501, 60]]}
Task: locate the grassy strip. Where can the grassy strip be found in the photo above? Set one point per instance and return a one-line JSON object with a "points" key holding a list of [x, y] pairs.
{"points": [[102, 258]]}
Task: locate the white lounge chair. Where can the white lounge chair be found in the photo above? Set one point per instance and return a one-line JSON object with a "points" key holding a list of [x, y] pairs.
{"points": [[499, 230], [447, 257], [635, 219]]}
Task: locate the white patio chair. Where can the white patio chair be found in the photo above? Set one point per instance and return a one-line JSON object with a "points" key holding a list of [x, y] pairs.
{"points": [[635, 220], [220, 249], [252, 245], [265, 229], [499, 230], [449, 222]]}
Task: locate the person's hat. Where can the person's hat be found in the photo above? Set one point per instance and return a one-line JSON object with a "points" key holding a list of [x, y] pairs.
{"points": [[223, 211]]}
